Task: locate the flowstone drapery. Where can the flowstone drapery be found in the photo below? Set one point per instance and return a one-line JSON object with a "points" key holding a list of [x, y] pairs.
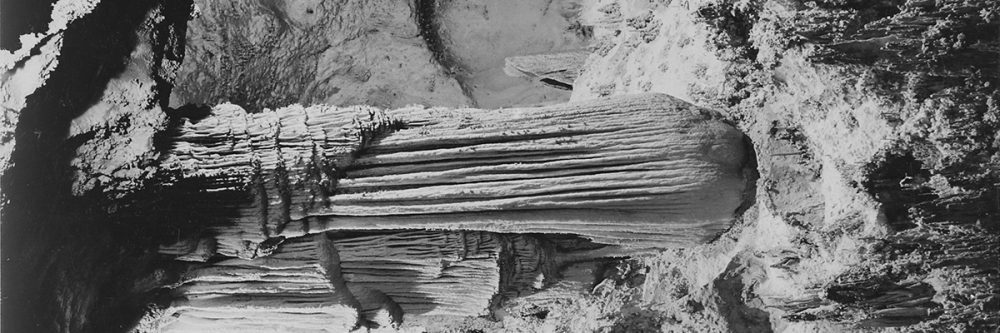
{"points": [[640, 171], [435, 211]]}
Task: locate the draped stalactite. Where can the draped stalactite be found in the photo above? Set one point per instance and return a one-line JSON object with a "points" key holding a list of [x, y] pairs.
{"points": [[639, 171], [276, 165], [431, 211]]}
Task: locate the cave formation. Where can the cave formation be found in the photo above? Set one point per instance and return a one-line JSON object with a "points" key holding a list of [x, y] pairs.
{"points": [[629, 174], [439, 165]]}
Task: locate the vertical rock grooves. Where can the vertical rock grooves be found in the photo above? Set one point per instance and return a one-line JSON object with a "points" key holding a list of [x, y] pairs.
{"points": [[342, 277], [298, 288], [426, 272], [943, 39], [286, 163], [448, 273], [23, 17], [645, 171], [625, 170], [430, 30], [641, 171]]}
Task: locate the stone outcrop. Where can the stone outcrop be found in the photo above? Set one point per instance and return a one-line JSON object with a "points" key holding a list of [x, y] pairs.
{"points": [[269, 54], [554, 69]]}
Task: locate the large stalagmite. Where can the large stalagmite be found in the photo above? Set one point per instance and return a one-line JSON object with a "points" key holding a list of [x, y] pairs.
{"points": [[639, 171]]}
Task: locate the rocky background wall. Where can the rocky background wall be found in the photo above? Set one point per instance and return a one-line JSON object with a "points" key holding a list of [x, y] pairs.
{"points": [[873, 123]]}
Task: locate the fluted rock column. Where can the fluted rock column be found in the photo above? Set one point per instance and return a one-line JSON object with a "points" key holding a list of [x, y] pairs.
{"points": [[266, 169], [643, 170]]}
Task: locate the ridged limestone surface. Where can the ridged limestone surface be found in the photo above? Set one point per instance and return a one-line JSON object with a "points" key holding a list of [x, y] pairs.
{"points": [[640, 171]]}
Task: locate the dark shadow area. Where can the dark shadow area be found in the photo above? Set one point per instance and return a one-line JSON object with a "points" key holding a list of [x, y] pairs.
{"points": [[640, 321], [18, 17], [557, 84], [430, 31], [863, 12], [901, 184], [624, 272], [895, 183], [919, 31], [734, 295], [568, 242], [193, 112], [520, 259], [750, 176], [732, 25], [948, 232], [58, 249], [750, 172], [76, 263], [880, 296]]}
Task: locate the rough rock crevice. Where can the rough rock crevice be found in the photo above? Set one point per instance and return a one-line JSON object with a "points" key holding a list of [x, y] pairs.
{"points": [[430, 30]]}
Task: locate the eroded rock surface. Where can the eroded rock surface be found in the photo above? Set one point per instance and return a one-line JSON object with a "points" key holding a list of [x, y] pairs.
{"points": [[270, 54]]}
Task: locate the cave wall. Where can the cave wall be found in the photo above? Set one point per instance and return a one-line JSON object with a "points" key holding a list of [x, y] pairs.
{"points": [[853, 109], [64, 255]]}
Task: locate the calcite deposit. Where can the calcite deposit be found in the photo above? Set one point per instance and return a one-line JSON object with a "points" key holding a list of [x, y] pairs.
{"points": [[500, 166], [298, 289], [642, 171]]}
